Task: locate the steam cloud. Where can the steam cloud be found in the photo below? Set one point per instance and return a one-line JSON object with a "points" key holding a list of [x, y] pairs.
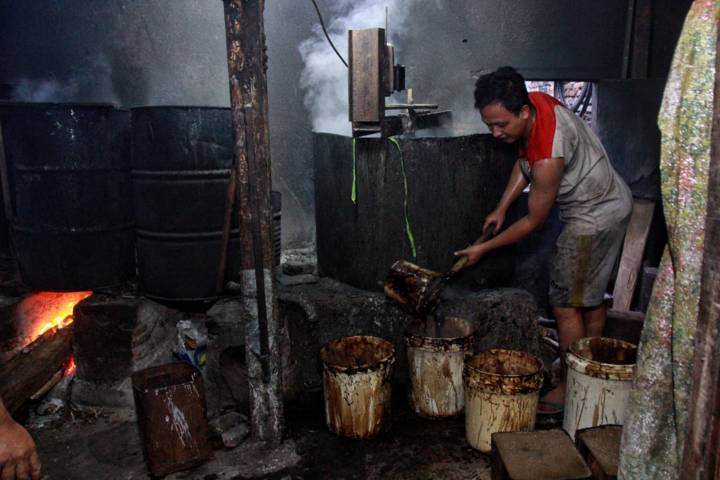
{"points": [[92, 83], [324, 78]]}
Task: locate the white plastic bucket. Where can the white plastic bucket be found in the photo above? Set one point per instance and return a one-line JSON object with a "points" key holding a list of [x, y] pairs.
{"points": [[435, 359], [501, 394], [600, 372], [356, 385]]}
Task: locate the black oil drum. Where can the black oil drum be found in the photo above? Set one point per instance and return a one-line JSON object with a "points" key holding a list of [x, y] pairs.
{"points": [[181, 164], [70, 196]]}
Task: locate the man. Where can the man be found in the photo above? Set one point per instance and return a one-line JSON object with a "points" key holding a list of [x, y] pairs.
{"points": [[564, 162], [18, 456]]}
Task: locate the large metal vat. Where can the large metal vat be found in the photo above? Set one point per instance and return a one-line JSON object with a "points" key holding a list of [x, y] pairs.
{"points": [[181, 164], [69, 182], [441, 187]]}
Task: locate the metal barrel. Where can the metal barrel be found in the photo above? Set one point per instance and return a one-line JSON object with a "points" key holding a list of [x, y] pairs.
{"points": [[68, 174], [172, 417], [182, 159], [181, 163], [356, 385]]}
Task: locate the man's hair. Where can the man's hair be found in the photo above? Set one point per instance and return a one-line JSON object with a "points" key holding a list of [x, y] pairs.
{"points": [[504, 86]]}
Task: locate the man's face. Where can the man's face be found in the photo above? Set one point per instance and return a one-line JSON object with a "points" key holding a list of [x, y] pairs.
{"points": [[504, 124]]}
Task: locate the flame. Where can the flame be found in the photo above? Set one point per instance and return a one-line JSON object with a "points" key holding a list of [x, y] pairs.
{"points": [[70, 367], [62, 315]]}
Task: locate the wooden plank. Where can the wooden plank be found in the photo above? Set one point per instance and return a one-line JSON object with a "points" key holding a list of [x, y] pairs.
{"points": [[700, 457], [366, 52], [624, 325], [641, 38], [632, 253], [600, 448]]}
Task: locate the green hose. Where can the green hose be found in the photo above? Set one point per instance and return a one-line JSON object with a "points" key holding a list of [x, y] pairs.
{"points": [[408, 229]]}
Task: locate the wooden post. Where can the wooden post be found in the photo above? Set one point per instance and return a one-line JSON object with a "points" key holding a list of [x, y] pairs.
{"points": [[700, 457], [247, 65], [642, 29]]}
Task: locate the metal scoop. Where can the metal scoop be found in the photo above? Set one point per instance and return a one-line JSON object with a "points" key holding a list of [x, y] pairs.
{"points": [[418, 289]]}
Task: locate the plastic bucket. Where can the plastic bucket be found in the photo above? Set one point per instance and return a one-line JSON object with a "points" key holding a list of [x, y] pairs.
{"points": [[356, 385], [600, 372], [435, 360], [501, 394]]}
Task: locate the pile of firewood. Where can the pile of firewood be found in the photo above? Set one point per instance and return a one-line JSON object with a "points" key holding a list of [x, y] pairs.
{"points": [[37, 368]]}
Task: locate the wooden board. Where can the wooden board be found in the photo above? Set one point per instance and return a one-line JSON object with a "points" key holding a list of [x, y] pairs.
{"points": [[624, 325], [632, 253], [600, 447], [543, 454], [367, 98]]}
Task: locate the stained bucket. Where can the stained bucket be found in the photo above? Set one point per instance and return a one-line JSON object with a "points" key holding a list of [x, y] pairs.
{"points": [[436, 356], [171, 414], [356, 384], [600, 372], [501, 394]]}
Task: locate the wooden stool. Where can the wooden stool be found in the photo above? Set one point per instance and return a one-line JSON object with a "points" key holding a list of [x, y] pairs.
{"points": [[544, 454], [600, 447]]}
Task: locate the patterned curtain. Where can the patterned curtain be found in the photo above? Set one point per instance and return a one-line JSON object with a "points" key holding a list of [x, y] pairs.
{"points": [[656, 418]]}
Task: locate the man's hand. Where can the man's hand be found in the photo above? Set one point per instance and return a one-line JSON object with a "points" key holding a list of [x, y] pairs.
{"points": [[496, 218], [18, 455], [473, 253]]}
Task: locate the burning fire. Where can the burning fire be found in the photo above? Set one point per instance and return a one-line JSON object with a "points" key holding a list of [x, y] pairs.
{"points": [[59, 311], [70, 367]]}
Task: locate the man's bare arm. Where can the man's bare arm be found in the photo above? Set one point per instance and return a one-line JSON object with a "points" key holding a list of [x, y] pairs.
{"points": [[516, 184], [543, 191]]}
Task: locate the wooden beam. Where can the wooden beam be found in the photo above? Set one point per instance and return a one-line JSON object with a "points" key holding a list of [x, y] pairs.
{"points": [[624, 325], [632, 253], [247, 68], [700, 456], [642, 26], [365, 79]]}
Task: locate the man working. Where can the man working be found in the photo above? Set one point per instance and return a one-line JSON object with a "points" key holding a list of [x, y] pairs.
{"points": [[564, 162], [18, 455]]}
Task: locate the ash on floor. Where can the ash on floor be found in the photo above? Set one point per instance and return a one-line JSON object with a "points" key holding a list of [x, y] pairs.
{"points": [[108, 447]]}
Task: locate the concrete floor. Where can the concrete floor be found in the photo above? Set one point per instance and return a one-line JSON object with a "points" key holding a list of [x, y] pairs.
{"points": [[108, 447]]}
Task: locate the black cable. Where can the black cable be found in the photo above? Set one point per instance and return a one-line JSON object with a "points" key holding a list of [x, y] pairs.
{"points": [[587, 100], [322, 24]]}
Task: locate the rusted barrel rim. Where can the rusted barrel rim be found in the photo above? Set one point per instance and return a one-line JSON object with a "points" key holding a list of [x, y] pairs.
{"points": [[386, 356], [598, 369], [165, 376], [495, 351], [424, 342]]}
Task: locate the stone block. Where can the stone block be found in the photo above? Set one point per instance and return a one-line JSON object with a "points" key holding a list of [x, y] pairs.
{"points": [[600, 447], [540, 455]]}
